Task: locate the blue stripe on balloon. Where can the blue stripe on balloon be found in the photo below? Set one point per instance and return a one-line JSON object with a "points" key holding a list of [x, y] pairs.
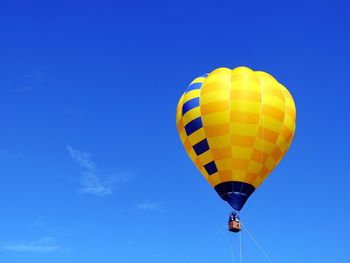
{"points": [[193, 126], [194, 86], [189, 105], [211, 168], [201, 147]]}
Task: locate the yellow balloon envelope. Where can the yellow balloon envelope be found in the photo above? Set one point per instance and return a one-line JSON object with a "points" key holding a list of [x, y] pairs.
{"points": [[236, 125]]}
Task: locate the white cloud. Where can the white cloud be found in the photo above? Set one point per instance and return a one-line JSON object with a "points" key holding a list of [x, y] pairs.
{"points": [[92, 181], [43, 245], [149, 206], [92, 184], [83, 159]]}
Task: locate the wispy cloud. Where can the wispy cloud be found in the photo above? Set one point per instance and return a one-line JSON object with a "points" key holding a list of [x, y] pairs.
{"points": [[92, 181], [42, 245], [149, 206], [28, 81], [82, 158]]}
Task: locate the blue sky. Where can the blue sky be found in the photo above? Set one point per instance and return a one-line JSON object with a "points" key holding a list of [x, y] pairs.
{"points": [[91, 165]]}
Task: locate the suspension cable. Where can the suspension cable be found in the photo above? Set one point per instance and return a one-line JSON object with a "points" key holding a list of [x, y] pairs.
{"points": [[232, 254], [240, 247], [231, 248], [205, 242], [257, 244]]}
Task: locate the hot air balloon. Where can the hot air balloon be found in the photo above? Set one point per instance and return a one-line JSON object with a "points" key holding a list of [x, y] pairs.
{"points": [[236, 126]]}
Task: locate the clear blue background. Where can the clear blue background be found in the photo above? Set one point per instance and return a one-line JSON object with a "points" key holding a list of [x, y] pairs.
{"points": [[104, 77]]}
